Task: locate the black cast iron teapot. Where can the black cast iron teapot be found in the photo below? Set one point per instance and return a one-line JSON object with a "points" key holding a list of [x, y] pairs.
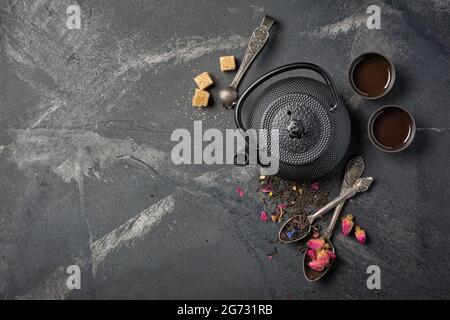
{"points": [[313, 123]]}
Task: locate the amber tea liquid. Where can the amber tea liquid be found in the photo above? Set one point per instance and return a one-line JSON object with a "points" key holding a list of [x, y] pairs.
{"points": [[392, 128], [372, 75]]}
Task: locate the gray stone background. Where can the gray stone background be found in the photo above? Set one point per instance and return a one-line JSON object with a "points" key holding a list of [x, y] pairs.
{"points": [[86, 176]]}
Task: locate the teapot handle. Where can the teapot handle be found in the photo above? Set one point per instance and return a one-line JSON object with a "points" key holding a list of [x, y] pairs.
{"points": [[277, 71]]}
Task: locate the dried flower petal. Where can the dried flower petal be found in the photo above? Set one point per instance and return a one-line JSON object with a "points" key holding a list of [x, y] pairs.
{"points": [[279, 211], [275, 216], [269, 257], [270, 194], [311, 253], [267, 188], [315, 186], [316, 244], [322, 260], [316, 265], [262, 177], [321, 256], [347, 224], [360, 235], [263, 216], [240, 192]]}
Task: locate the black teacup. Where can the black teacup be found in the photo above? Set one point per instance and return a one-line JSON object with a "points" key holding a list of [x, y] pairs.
{"points": [[371, 75], [391, 128]]}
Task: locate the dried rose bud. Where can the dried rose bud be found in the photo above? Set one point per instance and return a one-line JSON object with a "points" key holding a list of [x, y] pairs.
{"points": [[316, 266], [360, 235], [315, 186], [316, 244], [323, 257], [267, 188], [263, 216], [311, 253], [321, 262], [347, 224]]}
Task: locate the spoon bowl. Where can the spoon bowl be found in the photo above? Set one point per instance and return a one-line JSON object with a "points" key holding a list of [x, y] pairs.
{"points": [[228, 96], [353, 172], [313, 275], [300, 234]]}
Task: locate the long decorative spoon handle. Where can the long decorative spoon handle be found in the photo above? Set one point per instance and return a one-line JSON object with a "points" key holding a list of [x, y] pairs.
{"points": [[353, 171], [361, 185], [257, 41]]}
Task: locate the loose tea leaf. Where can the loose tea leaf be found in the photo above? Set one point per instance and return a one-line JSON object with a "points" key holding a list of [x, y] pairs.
{"points": [[285, 199]]}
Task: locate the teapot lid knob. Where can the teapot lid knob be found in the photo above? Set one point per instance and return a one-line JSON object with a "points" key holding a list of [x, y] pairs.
{"points": [[296, 129]]}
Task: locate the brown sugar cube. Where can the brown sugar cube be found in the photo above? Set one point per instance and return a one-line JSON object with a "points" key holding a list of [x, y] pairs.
{"points": [[204, 80], [227, 63], [200, 99]]}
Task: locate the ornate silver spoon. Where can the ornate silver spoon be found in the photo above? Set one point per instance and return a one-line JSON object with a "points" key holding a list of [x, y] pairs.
{"points": [[353, 171], [228, 96], [361, 185]]}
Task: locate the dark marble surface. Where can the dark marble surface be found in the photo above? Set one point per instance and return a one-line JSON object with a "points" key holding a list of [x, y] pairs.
{"points": [[86, 174]]}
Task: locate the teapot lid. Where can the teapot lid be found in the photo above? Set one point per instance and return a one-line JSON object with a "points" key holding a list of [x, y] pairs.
{"points": [[304, 127]]}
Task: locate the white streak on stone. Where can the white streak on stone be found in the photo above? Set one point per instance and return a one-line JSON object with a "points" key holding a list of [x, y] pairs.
{"points": [[134, 229], [98, 78], [1, 149], [181, 51], [433, 129], [51, 288], [65, 150], [229, 174], [351, 23], [49, 111], [209, 179], [341, 27], [258, 10], [54, 286]]}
